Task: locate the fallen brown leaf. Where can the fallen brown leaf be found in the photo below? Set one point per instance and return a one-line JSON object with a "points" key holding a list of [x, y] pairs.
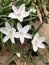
{"points": [[38, 12], [45, 11], [5, 55], [38, 61], [20, 61], [23, 61]]}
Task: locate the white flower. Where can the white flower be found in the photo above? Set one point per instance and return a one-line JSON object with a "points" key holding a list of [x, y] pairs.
{"points": [[19, 13], [37, 42], [9, 32], [18, 54], [23, 32]]}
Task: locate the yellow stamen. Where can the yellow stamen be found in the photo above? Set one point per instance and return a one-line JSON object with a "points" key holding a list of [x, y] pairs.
{"points": [[18, 14], [11, 32], [36, 42]]}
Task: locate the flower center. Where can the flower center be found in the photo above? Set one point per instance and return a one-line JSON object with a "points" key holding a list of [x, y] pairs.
{"points": [[36, 42], [11, 32], [21, 33], [18, 14]]}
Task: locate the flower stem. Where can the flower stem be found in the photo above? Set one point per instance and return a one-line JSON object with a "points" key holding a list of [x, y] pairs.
{"points": [[3, 16], [1, 23], [5, 7], [2, 41], [29, 19]]}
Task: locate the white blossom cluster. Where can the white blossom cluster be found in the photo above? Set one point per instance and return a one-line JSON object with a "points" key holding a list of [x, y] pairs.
{"points": [[22, 33]]}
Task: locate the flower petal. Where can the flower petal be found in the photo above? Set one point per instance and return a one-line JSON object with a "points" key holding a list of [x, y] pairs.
{"points": [[32, 10], [22, 39], [41, 45], [22, 8], [5, 38], [35, 48], [26, 28], [14, 9], [20, 18], [36, 36], [4, 30], [12, 15], [19, 26], [8, 27], [27, 35], [42, 39], [12, 39], [33, 42], [13, 29], [18, 54], [25, 14], [17, 35]]}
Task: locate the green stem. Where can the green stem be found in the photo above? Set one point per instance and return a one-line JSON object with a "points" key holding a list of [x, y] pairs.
{"points": [[3, 16], [2, 41], [12, 59], [1, 23], [41, 58], [5, 7], [29, 19], [13, 47], [31, 57], [39, 27]]}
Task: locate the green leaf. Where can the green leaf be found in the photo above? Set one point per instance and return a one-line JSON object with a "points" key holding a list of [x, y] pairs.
{"points": [[12, 59], [6, 2], [39, 27], [1, 37], [41, 58], [32, 59]]}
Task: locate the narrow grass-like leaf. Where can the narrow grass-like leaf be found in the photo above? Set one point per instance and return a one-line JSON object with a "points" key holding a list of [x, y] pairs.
{"points": [[1, 36], [39, 27], [41, 58], [32, 59], [12, 59]]}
